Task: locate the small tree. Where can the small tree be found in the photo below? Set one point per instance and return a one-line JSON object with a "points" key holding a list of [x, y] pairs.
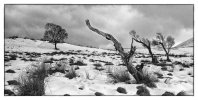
{"points": [[54, 34], [145, 43], [165, 44]]}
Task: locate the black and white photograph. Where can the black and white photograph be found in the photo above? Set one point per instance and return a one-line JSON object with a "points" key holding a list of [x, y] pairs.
{"points": [[98, 50]]}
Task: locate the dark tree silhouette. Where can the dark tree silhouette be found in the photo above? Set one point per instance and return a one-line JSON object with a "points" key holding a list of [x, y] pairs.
{"points": [[165, 44], [54, 34], [145, 43], [126, 57]]}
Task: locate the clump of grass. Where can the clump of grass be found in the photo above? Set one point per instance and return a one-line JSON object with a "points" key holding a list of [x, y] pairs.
{"points": [[33, 83], [118, 75], [61, 66], [71, 73], [149, 79]]}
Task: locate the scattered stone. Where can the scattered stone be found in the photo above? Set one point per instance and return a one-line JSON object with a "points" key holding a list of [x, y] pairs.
{"points": [[99, 94], [170, 74], [76, 68], [66, 95], [181, 69], [10, 71], [121, 90], [168, 94], [142, 91], [13, 82], [81, 87]]}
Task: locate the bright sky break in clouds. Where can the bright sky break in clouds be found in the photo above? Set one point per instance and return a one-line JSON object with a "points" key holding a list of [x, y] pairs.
{"points": [[147, 20]]}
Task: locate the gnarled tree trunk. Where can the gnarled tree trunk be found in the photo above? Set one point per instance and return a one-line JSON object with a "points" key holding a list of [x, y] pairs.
{"points": [[166, 52], [126, 57]]}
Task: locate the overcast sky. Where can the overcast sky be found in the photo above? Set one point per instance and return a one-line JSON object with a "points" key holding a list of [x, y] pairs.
{"points": [[147, 20]]}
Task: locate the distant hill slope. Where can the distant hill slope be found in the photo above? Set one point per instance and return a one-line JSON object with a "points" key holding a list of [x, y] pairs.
{"points": [[187, 43]]}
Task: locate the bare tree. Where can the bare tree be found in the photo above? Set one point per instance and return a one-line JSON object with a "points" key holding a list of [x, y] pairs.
{"points": [[145, 43], [54, 33], [165, 44], [126, 57]]}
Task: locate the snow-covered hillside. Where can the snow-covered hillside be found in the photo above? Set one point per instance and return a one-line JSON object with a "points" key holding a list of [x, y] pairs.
{"points": [[20, 54]]}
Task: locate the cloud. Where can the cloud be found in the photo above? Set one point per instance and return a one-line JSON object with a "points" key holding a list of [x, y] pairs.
{"points": [[118, 20]]}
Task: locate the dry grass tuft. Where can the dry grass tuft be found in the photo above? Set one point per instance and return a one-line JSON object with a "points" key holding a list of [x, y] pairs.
{"points": [[33, 83]]}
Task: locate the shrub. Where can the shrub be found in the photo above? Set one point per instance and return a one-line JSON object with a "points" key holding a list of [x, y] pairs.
{"points": [[149, 79], [33, 84], [71, 74], [60, 66], [118, 75]]}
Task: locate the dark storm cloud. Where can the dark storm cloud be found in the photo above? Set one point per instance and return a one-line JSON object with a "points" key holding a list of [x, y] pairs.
{"points": [[29, 20]]}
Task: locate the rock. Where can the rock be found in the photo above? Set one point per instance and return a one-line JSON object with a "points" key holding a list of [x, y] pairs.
{"points": [[9, 92], [182, 93], [142, 91], [168, 94], [10, 71], [121, 90], [99, 94], [170, 74], [13, 82], [76, 68], [181, 69], [81, 87], [66, 95]]}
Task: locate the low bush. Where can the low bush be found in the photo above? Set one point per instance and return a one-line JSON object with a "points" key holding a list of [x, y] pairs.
{"points": [[71, 73], [149, 79], [118, 75]]}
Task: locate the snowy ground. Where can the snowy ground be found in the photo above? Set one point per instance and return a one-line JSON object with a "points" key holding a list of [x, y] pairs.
{"points": [[176, 77]]}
